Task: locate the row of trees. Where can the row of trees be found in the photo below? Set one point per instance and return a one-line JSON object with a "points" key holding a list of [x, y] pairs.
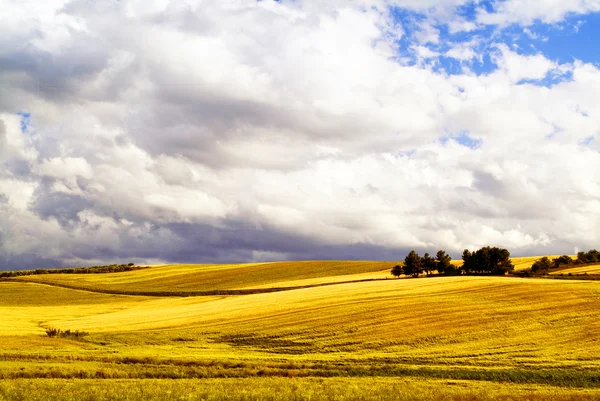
{"points": [[414, 265], [591, 256], [583, 258], [76, 270], [486, 260]]}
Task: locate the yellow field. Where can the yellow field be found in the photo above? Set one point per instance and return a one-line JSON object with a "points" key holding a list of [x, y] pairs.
{"points": [[198, 278], [529, 332], [202, 278], [590, 269], [525, 263], [298, 389]]}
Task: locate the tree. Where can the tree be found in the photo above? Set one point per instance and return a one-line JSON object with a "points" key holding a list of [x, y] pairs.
{"points": [[581, 258], [487, 260], [397, 271], [562, 260], [500, 262], [443, 263], [428, 263], [412, 264], [541, 264], [468, 261], [593, 256]]}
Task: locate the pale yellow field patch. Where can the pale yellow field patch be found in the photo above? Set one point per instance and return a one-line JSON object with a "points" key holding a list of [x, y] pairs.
{"points": [[26, 308], [591, 269]]}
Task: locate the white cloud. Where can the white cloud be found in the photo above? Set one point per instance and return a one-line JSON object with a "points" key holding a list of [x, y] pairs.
{"points": [[68, 167], [526, 12], [427, 33], [518, 67], [424, 52], [253, 130], [465, 51]]}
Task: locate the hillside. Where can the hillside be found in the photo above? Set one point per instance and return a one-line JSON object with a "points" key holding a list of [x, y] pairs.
{"points": [[178, 279], [495, 329], [204, 278], [524, 263], [591, 269], [441, 320]]}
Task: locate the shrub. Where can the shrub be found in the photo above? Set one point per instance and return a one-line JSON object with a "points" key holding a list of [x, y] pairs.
{"points": [[562, 260], [397, 270], [54, 332], [541, 264]]}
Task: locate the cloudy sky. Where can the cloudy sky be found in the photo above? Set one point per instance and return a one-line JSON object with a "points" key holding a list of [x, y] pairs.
{"points": [[242, 130]]}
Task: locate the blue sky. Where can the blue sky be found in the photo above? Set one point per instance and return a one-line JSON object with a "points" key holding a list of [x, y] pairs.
{"points": [[573, 38], [25, 121]]}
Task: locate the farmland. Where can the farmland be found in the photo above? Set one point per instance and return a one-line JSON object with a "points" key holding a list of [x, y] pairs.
{"points": [[360, 336], [190, 279], [587, 269], [203, 279]]}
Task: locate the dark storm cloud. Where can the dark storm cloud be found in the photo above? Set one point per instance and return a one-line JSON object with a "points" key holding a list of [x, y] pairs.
{"points": [[55, 77], [203, 125], [28, 262], [19, 168], [60, 206], [194, 243]]}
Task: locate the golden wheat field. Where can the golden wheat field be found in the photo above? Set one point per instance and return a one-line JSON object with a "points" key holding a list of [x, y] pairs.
{"points": [[202, 278], [362, 335], [587, 269], [193, 279]]}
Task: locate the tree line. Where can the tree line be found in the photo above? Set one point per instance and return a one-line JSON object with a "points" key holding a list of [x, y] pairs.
{"points": [[76, 270], [582, 258], [486, 260]]}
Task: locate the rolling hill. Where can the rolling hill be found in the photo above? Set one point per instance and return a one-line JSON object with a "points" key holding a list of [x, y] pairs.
{"points": [[532, 332], [179, 279]]}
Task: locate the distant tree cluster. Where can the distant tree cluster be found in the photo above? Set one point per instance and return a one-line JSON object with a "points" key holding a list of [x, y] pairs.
{"points": [[544, 264], [76, 270], [486, 260], [414, 265], [591, 256], [562, 260]]}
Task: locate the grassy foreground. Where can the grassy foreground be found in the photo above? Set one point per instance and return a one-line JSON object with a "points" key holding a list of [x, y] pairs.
{"points": [[441, 338], [276, 389]]}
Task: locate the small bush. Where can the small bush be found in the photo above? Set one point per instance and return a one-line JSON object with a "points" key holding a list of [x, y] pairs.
{"points": [[54, 332]]}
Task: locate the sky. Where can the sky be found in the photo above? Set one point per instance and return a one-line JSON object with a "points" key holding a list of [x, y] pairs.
{"points": [[213, 131]]}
